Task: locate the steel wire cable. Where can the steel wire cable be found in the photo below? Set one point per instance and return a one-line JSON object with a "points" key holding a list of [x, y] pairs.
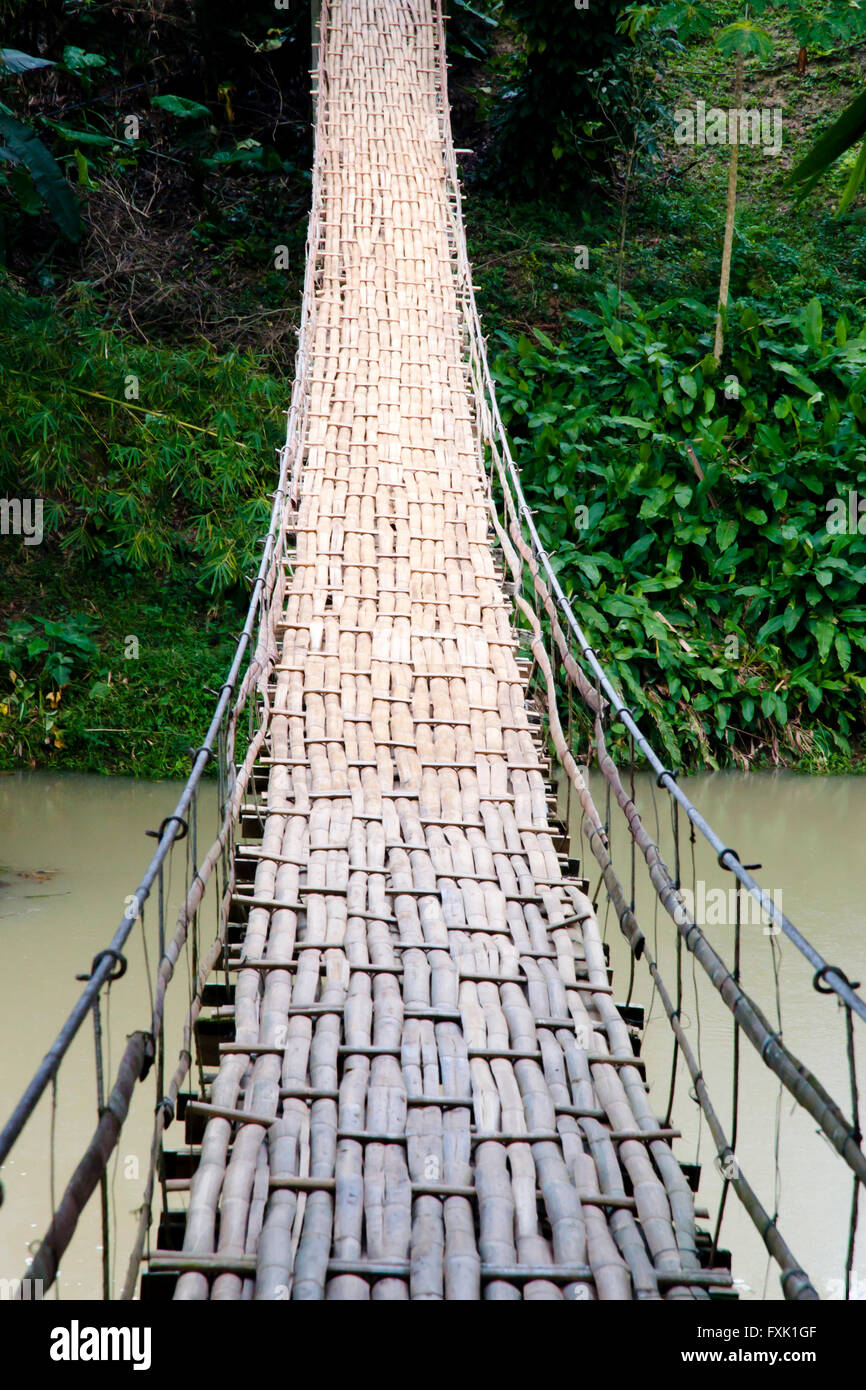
{"points": [[521, 513]]}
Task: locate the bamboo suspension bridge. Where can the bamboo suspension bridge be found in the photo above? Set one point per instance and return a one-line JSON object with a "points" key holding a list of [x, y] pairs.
{"points": [[414, 1081]]}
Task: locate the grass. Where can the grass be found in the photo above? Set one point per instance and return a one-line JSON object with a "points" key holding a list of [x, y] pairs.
{"points": [[153, 512], [138, 705]]}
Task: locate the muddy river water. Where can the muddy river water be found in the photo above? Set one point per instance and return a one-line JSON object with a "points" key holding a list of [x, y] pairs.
{"points": [[73, 847]]}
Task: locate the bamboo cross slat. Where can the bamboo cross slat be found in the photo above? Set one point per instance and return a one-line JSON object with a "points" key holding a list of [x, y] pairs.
{"points": [[429, 1093]]}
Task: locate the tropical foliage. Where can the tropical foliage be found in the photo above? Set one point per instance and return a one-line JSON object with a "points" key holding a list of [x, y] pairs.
{"points": [[701, 522]]}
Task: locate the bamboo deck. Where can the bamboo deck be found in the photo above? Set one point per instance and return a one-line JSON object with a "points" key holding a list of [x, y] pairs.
{"points": [[430, 1093]]}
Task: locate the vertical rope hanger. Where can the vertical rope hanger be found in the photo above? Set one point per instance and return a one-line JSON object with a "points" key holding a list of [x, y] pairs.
{"points": [[775, 956], [675, 829], [855, 1120], [735, 1074], [159, 1042], [52, 1162], [693, 1092], [570, 726], [192, 867], [631, 837], [632, 850], [103, 1178]]}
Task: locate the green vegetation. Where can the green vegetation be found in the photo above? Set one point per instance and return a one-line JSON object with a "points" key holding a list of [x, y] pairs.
{"points": [[145, 363], [152, 513], [144, 371], [121, 684], [688, 515], [150, 459], [729, 612]]}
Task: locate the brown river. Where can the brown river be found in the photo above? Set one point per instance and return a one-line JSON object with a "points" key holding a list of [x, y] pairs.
{"points": [[72, 847]]}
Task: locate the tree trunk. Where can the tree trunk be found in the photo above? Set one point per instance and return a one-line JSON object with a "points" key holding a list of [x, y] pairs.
{"points": [[728, 247], [623, 222]]}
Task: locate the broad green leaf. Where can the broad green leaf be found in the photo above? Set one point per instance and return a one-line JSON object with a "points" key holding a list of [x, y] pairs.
{"points": [[638, 549], [688, 20], [84, 179], [845, 132], [746, 38], [726, 533], [630, 420], [843, 650], [24, 189], [78, 60], [591, 570], [855, 179], [799, 378], [770, 626], [813, 322], [181, 107], [824, 631], [82, 137], [25, 147], [13, 60]]}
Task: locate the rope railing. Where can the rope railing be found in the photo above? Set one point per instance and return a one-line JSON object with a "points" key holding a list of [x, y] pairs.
{"points": [[141, 1050], [532, 570], [145, 1047], [495, 437]]}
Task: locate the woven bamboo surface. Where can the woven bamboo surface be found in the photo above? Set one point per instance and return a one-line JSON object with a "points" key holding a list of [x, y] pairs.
{"points": [[418, 1102]]}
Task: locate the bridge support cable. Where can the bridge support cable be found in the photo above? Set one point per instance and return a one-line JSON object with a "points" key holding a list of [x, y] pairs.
{"points": [[528, 562], [796, 1285], [218, 744], [799, 1081], [557, 607], [853, 1222], [805, 1088], [795, 1282], [138, 1054]]}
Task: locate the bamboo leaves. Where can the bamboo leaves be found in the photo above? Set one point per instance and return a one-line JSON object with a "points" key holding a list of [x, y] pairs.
{"points": [[174, 480]]}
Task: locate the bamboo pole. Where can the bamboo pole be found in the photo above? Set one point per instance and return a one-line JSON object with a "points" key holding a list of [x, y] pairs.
{"points": [[730, 216]]}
